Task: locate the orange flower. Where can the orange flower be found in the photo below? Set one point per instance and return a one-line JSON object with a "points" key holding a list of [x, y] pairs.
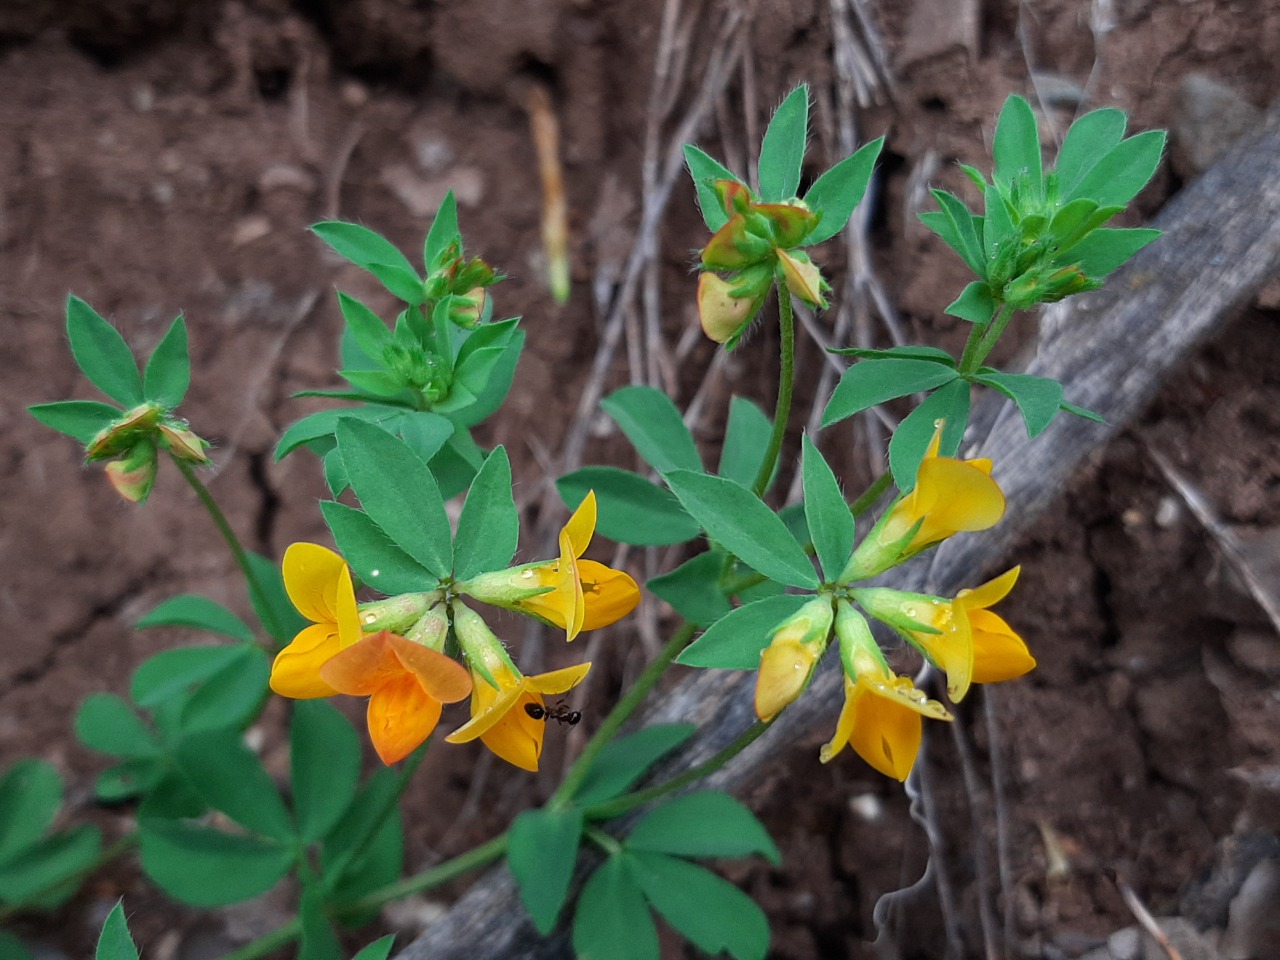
{"points": [[319, 584], [407, 684]]}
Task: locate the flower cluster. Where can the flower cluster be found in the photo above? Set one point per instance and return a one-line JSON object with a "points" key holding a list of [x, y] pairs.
{"points": [[882, 715], [397, 651]]}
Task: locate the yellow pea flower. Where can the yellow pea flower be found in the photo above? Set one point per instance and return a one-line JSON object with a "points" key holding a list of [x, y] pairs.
{"points": [[568, 592], [787, 664], [961, 637], [407, 684], [881, 718], [950, 496], [318, 582]]}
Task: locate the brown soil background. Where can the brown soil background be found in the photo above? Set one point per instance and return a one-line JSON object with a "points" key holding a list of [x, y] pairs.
{"points": [[158, 157]]}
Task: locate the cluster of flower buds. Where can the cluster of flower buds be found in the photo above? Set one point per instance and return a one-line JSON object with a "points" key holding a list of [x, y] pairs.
{"points": [[133, 443]]}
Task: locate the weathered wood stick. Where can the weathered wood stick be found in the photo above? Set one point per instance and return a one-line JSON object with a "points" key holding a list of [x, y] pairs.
{"points": [[1111, 349]]}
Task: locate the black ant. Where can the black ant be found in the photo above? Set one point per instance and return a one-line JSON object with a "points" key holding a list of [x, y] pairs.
{"points": [[560, 713]]}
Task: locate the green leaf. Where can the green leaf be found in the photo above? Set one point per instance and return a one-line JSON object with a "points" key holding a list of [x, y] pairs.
{"points": [[198, 613], [404, 284], [623, 761], [612, 921], [230, 778], [12, 948], [1038, 398], [1106, 249], [115, 943], [932, 354], [29, 875], [275, 610], [705, 171], [232, 696], [335, 474], [707, 910], [1124, 171], [457, 463], [874, 381], [826, 512], [496, 386], [102, 354], [107, 724], [1074, 221], [379, 949], [378, 384], [361, 245], [746, 440], [782, 152], [129, 779], [1016, 148], [318, 940], [1083, 412], [734, 642], [631, 509], [838, 192], [997, 228], [655, 428], [489, 527], [171, 672], [542, 848], [425, 433], [910, 441], [324, 754], [1090, 139], [398, 493], [974, 304], [736, 518], [30, 795], [168, 371], [322, 424], [377, 561], [205, 867], [353, 871], [366, 327], [707, 823], [693, 589], [79, 419], [962, 237], [444, 230]]}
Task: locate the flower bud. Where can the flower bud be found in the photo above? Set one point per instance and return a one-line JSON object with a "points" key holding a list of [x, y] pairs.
{"points": [[483, 650], [803, 277], [721, 313], [183, 443], [431, 630], [134, 474], [397, 614], [787, 664], [733, 246], [124, 433]]}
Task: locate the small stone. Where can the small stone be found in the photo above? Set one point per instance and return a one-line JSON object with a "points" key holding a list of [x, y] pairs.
{"points": [[286, 176], [249, 229], [1167, 512]]}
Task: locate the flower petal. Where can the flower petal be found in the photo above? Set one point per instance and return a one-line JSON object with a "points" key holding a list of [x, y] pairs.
{"points": [[582, 525], [441, 677], [991, 592], [844, 726], [401, 716], [558, 681], [296, 670], [488, 707], [311, 580], [608, 595], [568, 592], [518, 738], [345, 609], [998, 653], [886, 734], [362, 668], [954, 496]]}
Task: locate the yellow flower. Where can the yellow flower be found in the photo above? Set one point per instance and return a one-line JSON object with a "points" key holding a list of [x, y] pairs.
{"points": [[972, 644], [407, 684], [786, 665], [500, 716], [881, 721], [950, 496], [319, 584], [570, 592]]}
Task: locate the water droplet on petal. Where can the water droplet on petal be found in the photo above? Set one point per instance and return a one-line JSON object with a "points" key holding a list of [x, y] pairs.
{"points": [[526, 574]]}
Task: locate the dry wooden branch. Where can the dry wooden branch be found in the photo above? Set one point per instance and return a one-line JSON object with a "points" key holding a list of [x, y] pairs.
{"points": [[1112, 349]]}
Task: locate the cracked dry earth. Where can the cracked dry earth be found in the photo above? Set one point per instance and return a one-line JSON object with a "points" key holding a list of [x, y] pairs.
{"points": [[157, 158]]}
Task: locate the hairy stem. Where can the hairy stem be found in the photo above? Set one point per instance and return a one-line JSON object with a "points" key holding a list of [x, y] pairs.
{"points": [[982, 340], [786, 385]]}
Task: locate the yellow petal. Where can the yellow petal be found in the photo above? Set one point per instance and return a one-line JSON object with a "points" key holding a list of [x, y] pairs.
{"points": [[311, 575], [401, 716], [720, 313], [443, 678], [348, 614], [886, 733], [558, 681], [518, 738], [581, 525], [998, 653], [951, 650], [608, 595], [991, 592], [844, 726], [296, 670], [785, 666], [488, 707], [953, 496], [568, 592]]}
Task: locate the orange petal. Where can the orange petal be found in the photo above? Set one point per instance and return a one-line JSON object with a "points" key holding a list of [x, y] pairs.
{"points": [[296, 670], [401, 716], [558, 681], [886, 734], [311, 580], [441, 677], [608, 595], [361, 669]]}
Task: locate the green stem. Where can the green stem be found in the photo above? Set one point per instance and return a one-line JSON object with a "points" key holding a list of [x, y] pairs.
{"points": [[618, 716], [256, 591], [602, 840], [871, 494], [125, 843], [272, 941], [473, 859], [786, 384], [982, 340], [620, 805]]}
